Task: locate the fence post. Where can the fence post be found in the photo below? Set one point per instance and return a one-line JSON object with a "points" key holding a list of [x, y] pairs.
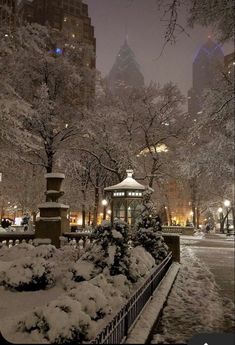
{"points": [[126, 320]]}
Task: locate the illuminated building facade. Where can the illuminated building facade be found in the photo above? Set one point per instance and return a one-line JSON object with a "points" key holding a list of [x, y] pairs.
{"points": [[70, 16]]}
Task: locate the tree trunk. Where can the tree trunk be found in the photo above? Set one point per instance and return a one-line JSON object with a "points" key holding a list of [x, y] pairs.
{"points": [[97, 199], [198, 217], [233, 217], [89, 217], [83, 209], [34, 213]]}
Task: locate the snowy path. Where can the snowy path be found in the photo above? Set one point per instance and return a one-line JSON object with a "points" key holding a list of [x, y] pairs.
{"points": [[196, 304]]}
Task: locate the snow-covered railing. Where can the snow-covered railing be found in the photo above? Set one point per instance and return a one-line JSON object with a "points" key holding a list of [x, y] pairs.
{"points": [[13, 238], [118, 328], [184, 230], [79, 239]]}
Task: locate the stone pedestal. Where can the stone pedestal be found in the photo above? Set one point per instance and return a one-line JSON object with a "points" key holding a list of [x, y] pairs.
{"points": [[54, 217]]}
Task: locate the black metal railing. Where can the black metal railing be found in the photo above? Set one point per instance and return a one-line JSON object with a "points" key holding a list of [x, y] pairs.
{"points": [[118, 328]]}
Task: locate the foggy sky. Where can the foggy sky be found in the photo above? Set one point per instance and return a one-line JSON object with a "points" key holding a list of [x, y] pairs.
{"points": [[140, 19]]}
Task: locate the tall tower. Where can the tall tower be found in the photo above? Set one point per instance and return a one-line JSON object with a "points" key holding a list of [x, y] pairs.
{"points": [[206, 68], [126, 70], [70, 16]]}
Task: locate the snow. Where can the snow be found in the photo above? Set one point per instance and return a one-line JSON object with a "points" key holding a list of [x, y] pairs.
{"points": [[116, 234], [141, 262], [55, 175], [128, 183], [90, 287], [52, 204], [51, 219], [143, 327], [194, 305]]}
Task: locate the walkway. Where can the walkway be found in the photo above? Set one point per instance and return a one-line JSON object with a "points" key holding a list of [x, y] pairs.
{"points": [[201, 298]]}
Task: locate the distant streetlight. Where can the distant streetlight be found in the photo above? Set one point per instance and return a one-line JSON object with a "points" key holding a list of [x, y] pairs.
{"points": [[104, 203]]}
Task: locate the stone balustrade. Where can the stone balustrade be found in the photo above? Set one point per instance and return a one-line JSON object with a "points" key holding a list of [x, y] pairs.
{"points": [[13, 238]]}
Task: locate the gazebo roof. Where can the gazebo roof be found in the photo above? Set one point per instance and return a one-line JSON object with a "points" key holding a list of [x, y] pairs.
{"points": [[128, 183]]}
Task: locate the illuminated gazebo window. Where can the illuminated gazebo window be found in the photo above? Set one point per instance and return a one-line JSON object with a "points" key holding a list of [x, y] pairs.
{"points": [[125, 198]]}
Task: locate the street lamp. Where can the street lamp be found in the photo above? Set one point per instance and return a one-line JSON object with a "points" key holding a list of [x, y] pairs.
{"points": [[104, 203], [227, 203]]}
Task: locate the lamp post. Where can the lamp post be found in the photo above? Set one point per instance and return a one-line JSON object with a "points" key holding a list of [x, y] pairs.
{"points": [[227, 203], [104, 203], [220, 211]]}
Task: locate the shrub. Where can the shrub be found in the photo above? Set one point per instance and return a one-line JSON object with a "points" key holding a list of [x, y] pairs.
{"points": [[27, 274], [148, 230], [60, 322]]}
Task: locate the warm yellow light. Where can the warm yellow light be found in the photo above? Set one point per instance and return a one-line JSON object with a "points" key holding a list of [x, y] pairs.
{"points": [[220, 210]]}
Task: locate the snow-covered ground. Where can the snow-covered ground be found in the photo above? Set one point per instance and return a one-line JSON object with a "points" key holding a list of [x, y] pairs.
{"points": [[195, 304], [51, 295]]}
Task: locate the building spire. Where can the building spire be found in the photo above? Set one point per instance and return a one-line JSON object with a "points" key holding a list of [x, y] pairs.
{"points": [[126, 35]]}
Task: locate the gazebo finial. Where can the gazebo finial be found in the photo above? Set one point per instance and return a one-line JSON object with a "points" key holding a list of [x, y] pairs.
{"points": [[130, 172]]}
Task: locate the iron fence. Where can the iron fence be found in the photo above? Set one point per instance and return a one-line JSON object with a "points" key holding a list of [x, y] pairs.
{"points": [[117, 329]]}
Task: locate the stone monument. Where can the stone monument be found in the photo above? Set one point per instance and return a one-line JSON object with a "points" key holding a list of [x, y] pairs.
{"points": [[54, 216]]}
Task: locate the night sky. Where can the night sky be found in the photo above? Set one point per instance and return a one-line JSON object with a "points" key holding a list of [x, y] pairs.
{"points": [[140, 19]]}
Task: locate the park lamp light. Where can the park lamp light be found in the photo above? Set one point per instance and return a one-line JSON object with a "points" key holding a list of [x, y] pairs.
{"points": [[220, 210], [227, 203], [104, 202]]}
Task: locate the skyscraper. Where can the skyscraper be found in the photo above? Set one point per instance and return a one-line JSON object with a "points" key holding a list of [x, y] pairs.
{"points": [[71, 16], [126, 70], [206, 67]]}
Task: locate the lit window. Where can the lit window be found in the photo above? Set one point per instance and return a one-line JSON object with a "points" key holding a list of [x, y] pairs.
{"points": [[73, 35]]}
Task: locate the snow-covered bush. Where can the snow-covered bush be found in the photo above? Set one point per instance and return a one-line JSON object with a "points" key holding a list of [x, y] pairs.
{"points": [[60, 322], [92, 299], [110, 250], [44, 251], [141, 263], [27, 274], [114, 243], [116, 295], [18, 251], [148, 230]]}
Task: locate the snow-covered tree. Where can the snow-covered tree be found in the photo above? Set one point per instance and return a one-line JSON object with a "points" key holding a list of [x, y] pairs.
{"points": [[148, 229], [44, 88], [217, 15]]}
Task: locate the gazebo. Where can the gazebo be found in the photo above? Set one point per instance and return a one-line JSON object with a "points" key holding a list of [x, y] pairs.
{"points": [[125, 198]]}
